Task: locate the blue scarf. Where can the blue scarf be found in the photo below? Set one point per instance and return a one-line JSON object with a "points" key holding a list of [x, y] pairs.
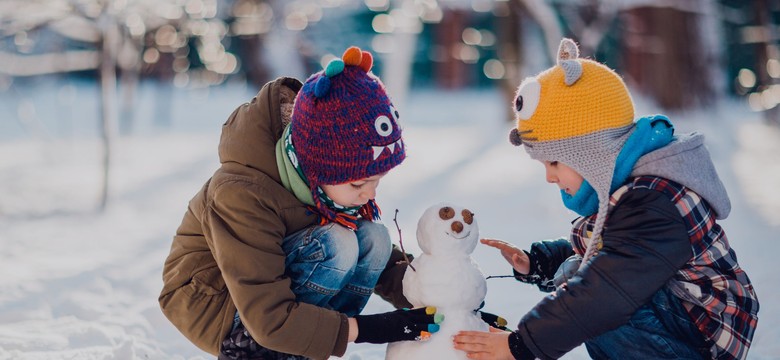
{"points": [[651, 133]]}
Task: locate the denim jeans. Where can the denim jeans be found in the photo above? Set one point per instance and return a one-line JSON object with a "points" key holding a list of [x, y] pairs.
{"points": [[334, 267], [330, 266], [660, 329]]}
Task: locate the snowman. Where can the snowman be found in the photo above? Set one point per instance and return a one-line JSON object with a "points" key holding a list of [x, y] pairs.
{"points": [[444, 276]]}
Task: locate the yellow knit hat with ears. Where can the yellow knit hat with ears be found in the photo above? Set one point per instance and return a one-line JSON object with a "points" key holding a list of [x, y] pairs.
{"points": [[579, 113], [573, 98]]}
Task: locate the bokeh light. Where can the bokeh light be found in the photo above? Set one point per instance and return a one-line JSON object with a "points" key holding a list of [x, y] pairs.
{"points": [[773, 68], [746, 78], [383, 23], [494, 69], [378, 5]]}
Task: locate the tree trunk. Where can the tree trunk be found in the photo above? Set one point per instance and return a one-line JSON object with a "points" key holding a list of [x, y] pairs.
{"points": [[131, 73], [452, 72], [664, 56], [764, 51], [509, 33], [397, 65], [163, 100], [250, 52], [544, 15], [107, 100], [129, 85]]}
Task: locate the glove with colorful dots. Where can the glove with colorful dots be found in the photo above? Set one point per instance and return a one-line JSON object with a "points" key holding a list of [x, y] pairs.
{"points": [[399, 325]]}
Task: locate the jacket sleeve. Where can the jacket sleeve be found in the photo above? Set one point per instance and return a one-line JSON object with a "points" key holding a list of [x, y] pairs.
{"points": [[246, 236], [545, 258], [645, 243], [389, 286]]}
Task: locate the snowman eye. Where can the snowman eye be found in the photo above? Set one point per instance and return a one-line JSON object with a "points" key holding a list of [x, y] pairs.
{"points": [[527, 98], [468, 216], [383, 125], [446, 213]]}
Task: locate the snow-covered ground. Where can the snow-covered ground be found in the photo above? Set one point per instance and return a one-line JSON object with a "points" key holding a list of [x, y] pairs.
{"points": [[77, 284]]}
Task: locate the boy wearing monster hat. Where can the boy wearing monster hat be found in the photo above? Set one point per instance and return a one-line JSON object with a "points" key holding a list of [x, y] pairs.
{"points": [[279, 251], [646, 272]]}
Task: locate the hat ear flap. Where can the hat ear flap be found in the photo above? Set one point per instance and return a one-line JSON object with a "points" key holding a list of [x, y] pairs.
{"points": [[353, 56]]}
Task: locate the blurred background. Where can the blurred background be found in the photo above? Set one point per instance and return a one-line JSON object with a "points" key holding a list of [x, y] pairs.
{"points": [[113, 68], [111, 110]]}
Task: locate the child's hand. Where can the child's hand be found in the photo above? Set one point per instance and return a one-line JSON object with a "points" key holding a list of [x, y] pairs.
{"points": [[514, 256], [493, 320], [484, 345], [398, 325]]}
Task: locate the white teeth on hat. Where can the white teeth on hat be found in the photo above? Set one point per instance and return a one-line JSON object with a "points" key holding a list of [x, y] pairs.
{"points": [[378, 150]]}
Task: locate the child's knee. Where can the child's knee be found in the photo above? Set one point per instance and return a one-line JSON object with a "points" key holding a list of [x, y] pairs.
{"points": [[340, 247], [375, 243]]}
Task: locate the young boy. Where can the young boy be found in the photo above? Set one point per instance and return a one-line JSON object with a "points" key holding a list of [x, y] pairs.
{"points": [[278, 253], [647, 272]]}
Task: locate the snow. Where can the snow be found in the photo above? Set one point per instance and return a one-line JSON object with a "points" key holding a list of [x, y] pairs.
{"points": [[78, 284]]}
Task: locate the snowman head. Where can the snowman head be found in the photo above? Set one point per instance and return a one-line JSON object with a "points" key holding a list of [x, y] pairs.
{"points": [[446, 228]]}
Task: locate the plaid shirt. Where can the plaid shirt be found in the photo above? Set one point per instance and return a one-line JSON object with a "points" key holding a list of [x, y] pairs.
{"points": [[722, 301]]}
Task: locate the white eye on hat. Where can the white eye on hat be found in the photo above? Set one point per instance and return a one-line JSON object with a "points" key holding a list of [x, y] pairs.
{"points": [[527, 98], [383, 126], [394, 112]]}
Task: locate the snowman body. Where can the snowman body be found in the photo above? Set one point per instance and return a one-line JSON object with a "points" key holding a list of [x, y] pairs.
{"points": [[446, 277]]}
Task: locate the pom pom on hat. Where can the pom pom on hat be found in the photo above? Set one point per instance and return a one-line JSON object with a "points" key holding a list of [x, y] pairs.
{"points": [[352, 56], [335, 67], [366, 61], [322, 86]]}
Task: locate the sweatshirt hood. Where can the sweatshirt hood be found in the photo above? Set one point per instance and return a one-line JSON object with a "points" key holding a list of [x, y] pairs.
{"points": [[687, 161], [250, 133]]}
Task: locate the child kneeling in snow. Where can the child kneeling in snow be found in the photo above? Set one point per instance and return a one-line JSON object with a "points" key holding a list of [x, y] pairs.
{"points": [[279, 252], [646, 272]]}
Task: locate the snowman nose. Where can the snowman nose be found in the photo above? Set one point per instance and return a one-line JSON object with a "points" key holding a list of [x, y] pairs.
{"points": [[457, 226]]}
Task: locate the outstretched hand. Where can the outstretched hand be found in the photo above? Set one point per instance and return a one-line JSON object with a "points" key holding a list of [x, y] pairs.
{"points": [[513, 255], [492, 345]]}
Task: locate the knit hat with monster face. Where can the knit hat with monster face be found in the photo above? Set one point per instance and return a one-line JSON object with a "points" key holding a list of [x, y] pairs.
{"points": [[344, 128], [579, 113]]}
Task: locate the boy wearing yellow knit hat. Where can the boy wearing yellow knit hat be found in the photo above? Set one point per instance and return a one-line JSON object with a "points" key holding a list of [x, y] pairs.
{"points": [[646, 271]]}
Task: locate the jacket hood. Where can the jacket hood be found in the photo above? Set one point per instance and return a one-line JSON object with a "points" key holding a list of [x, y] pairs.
{"points": [[250, 134], [687, 161]]}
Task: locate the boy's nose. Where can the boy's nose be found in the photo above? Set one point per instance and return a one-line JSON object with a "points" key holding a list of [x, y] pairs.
{"points": [[370, 193], [551, 178]]}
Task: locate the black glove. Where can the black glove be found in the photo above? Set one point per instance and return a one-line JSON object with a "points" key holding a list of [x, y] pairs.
{"points": [[399, 325], [493, 320]]}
